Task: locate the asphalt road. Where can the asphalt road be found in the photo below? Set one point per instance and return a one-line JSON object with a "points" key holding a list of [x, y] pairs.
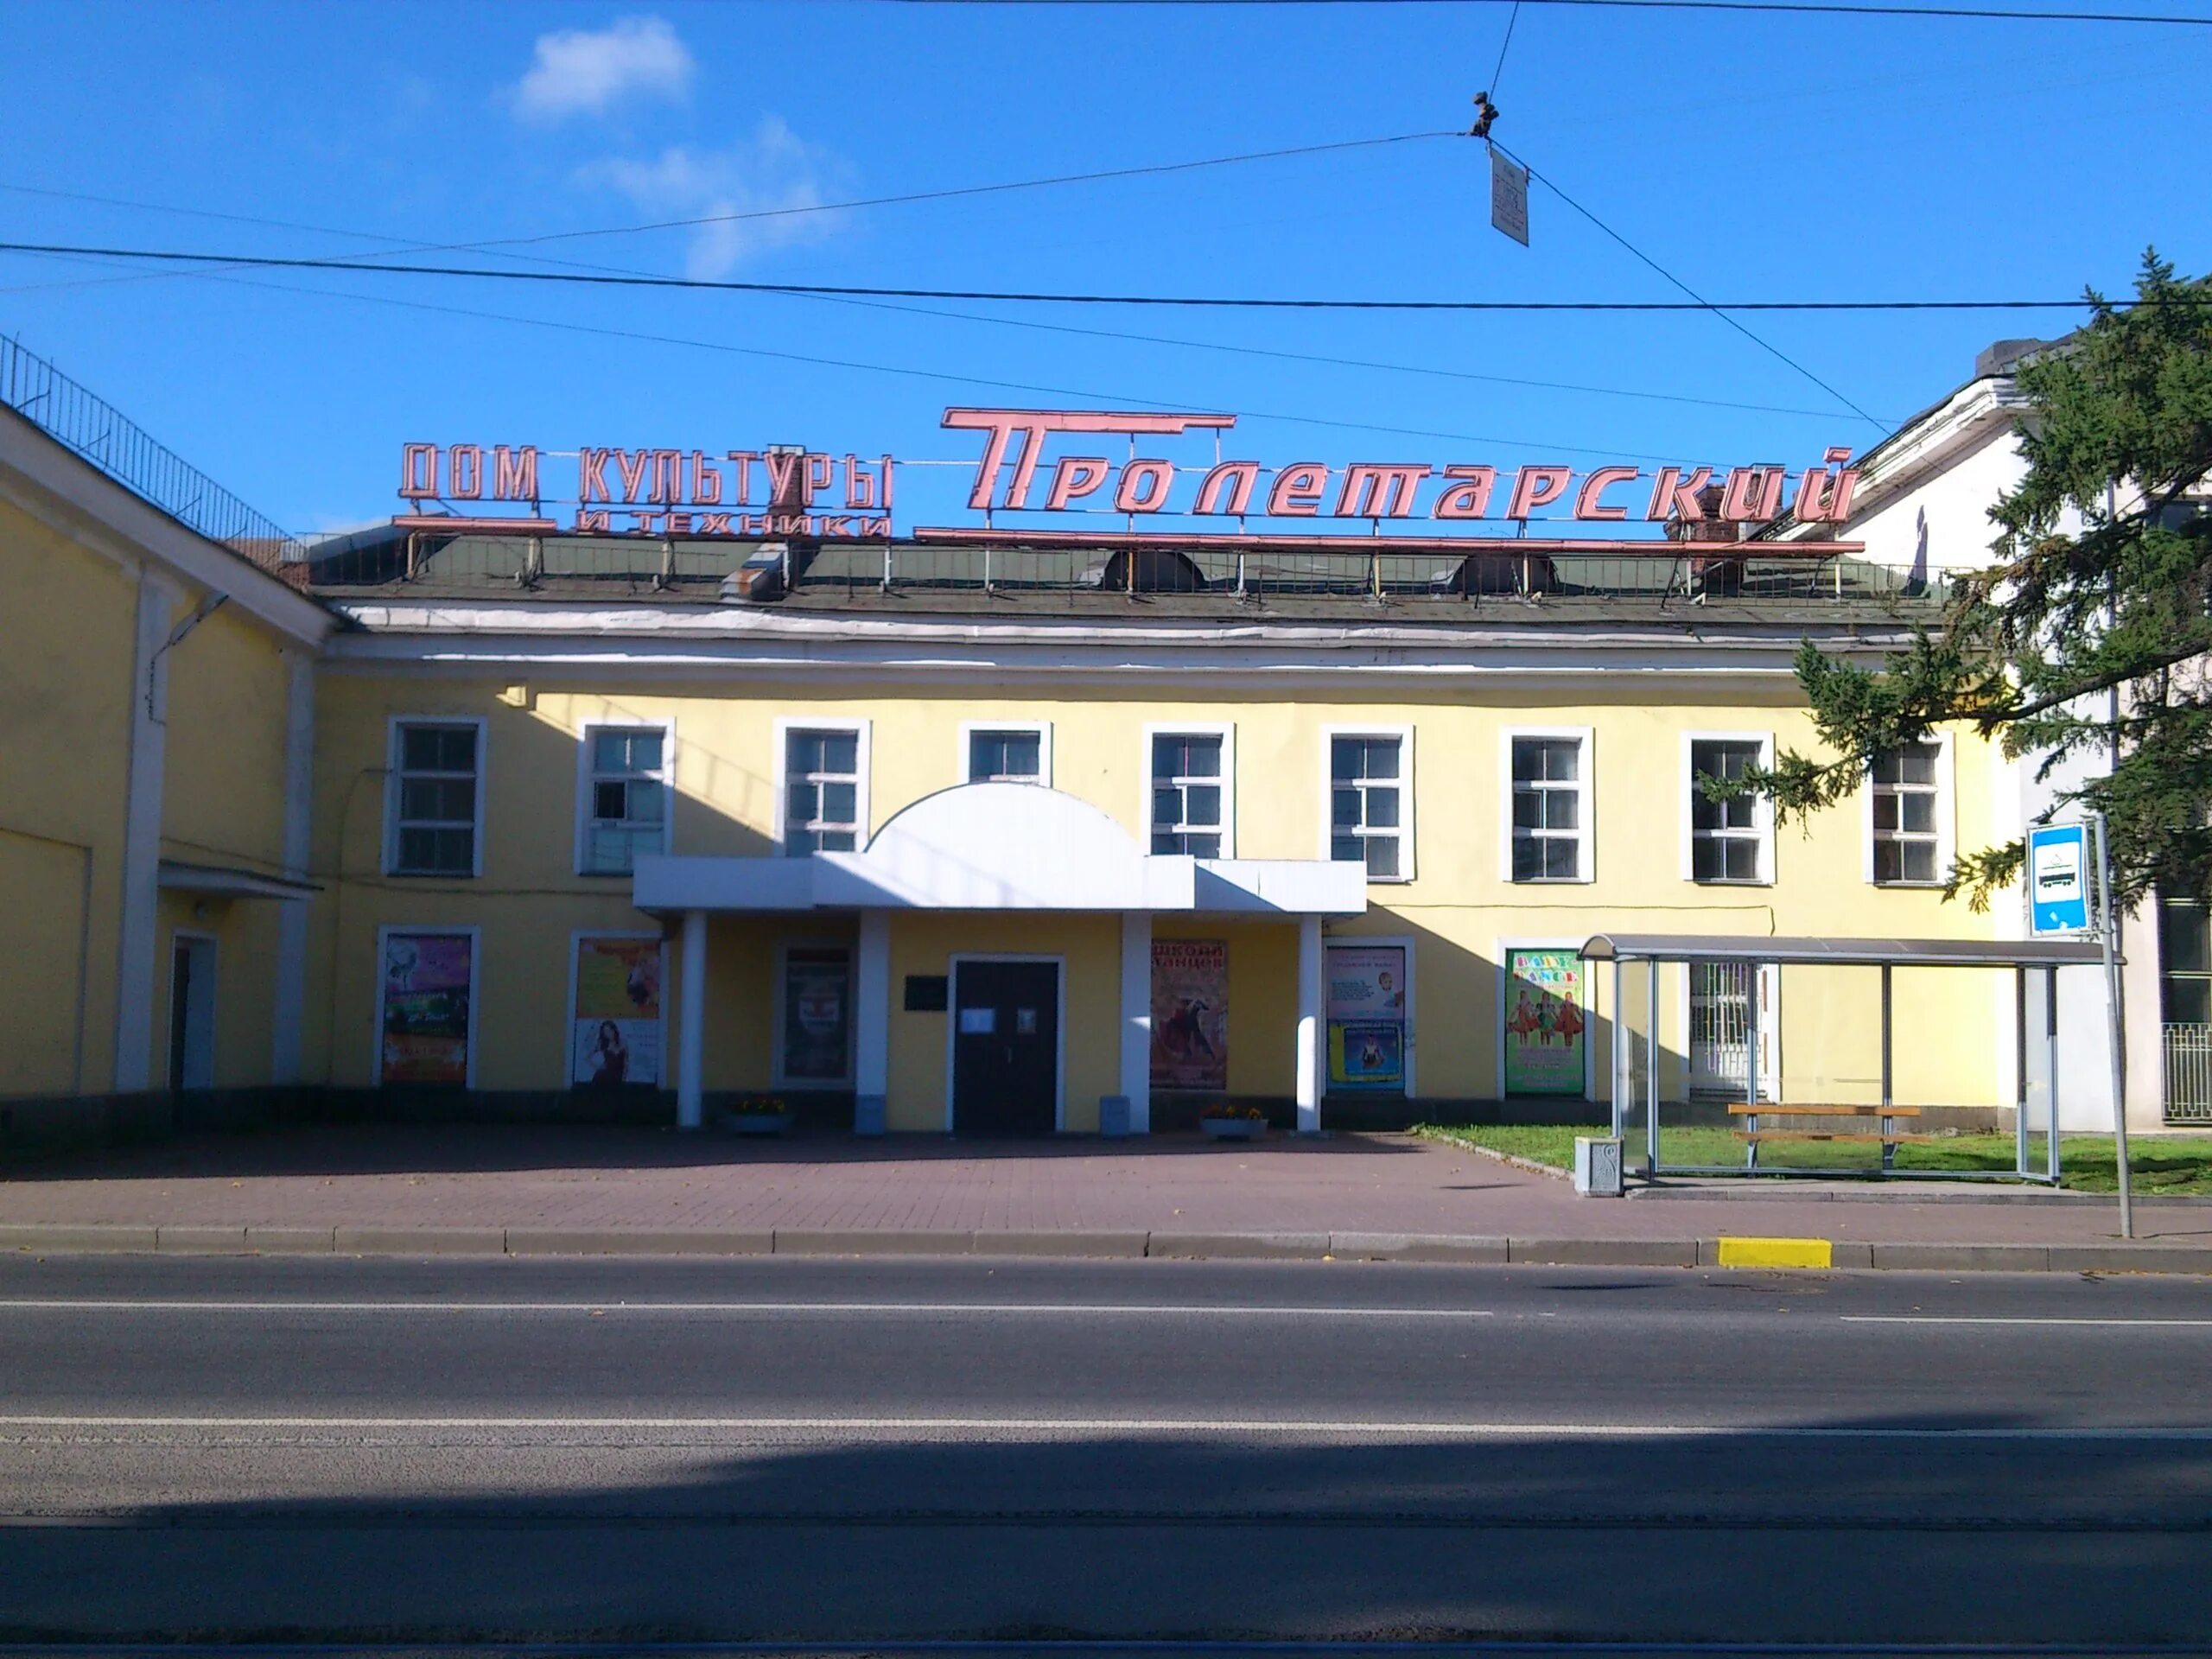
{"points": [[803, 1449]]}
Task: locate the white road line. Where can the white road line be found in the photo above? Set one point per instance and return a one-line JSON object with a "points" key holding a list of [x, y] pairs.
{"points": [[1993, 1319], [935, 1310], [1212, 1426]]}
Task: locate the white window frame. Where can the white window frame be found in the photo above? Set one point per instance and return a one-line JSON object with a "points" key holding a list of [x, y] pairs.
{"points": [[1041, 729], [1946, 826], [1586, 770], [576, 938], [779, 1077], [1404, 735], [1226, 732], [587, 775], [394, 725], [1763, 810], [475, 933], [787, 724]]}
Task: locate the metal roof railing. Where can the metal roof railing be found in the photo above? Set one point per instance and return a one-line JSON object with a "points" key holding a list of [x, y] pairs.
{"points": [[92, 428]]}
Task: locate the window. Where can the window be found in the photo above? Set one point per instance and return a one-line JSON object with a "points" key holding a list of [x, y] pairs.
{"points": [[1907, 835], [2184, 963], [437, 796], [1007, 754], [1187, 785], [1370, 807], [1729, 841], [823, 798], [1547, 792], [625, 812]]}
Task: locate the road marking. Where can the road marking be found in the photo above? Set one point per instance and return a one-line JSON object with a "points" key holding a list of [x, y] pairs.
{"points": [[1997, 1318], [1214, 1426], [1777, 1253], [73, 1305]]}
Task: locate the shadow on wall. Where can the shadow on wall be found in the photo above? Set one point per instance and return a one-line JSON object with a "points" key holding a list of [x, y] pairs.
{"points": [[1704, 1537]]}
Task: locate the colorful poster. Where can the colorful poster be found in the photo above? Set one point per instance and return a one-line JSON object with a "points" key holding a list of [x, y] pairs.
{"points": [[615, 1030], [1190, 1014], [1546, 1029], [817, 1016], [426, 978], [1366, 1015]]}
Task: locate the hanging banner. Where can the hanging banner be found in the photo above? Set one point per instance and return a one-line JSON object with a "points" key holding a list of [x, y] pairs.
{"points": [[1508, 197], [614, 1029], [1366, 1016], [1545, 1027], [817, 1016], [1190, 1014], [426, 981]]}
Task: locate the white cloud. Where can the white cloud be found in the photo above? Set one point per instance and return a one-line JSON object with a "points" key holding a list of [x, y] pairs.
{"points": [[771, 172], [580, 71]]}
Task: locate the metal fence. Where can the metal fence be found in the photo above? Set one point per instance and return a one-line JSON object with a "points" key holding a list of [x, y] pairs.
{"points": [[91, 427], [2188, 1073]]}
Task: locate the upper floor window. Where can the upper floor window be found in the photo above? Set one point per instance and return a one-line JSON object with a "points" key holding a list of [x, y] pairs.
{"points": [[823, 795], [1189, 793], [1008, 754], [1549, 784], [1371, 802], [436, 797], [1906, 802], [626, 777], [1729, 840]]}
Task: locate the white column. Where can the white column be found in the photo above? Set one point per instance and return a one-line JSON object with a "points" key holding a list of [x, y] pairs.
{"points": [[1309, 1024], [872, 1008], [691, 1039], [292, 914], [1136, 1018], [135, 976]]}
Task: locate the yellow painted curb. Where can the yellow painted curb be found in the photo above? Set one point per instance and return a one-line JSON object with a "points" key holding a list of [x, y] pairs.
{"points": [[1777, 1253]]}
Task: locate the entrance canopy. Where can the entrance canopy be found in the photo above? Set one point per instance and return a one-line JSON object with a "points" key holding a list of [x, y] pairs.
{"points": [[1009, 846]]}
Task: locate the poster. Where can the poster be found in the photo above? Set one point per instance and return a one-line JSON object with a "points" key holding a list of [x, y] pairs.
{"points": [[615, 1030], [1545, 1027], [817, 1016], [427, 978], [1366, 1016], [1190, 1014]]}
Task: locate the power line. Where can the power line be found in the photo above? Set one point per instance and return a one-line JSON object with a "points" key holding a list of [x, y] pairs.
{"points": [[1511, 18], [1377, 365], [1771, 349], [1012, 297], [1985, 13]]}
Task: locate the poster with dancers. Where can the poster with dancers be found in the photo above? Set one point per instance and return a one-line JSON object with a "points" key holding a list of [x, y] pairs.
{"points": [[1547, 1029]]}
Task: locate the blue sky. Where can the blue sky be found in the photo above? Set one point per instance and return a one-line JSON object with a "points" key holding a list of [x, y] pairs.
{"points": [[1755, 156]]}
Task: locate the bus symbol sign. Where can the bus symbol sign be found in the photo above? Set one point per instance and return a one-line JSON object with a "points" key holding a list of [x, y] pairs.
{"points": [[2058, 887]]}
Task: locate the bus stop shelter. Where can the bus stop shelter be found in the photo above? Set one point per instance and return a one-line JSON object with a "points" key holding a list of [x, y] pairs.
{"points": [[2023, 956]]}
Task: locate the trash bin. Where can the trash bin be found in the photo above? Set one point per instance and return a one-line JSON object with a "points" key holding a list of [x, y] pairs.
{"points": [[1597, 1167], [1114, 1115]]}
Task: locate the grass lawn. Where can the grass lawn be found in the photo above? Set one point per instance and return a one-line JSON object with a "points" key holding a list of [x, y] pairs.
{"points": [[2160, 1163]]}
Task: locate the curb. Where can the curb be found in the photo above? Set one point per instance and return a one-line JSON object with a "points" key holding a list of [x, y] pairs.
{"points": [[1750, 1254]]}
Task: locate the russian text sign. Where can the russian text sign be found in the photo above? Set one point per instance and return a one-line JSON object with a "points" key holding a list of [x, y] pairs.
{"points": [[2058, 883]]}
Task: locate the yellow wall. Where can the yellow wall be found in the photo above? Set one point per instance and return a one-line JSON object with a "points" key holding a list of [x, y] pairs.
{"points": [[65, 723], [1456, 911]]}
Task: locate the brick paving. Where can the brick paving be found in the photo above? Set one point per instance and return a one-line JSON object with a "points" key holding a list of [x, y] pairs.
{"points": [[623, 1177]]}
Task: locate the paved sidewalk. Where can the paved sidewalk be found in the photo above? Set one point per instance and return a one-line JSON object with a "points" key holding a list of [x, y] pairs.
{"points": [[508, 1187]]}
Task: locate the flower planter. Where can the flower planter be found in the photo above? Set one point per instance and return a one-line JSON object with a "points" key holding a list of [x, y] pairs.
{"points": [[756, 1123], [1233, 1128]]}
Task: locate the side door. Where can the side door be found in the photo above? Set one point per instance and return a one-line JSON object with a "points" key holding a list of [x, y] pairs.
{"points": [[1005, 1047]]}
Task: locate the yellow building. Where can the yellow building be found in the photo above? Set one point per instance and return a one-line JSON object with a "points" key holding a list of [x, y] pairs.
{"points": [[1008, 833]]}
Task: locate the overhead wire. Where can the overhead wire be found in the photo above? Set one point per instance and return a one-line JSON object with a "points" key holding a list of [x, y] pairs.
{"points": [[1043, 297], [1820, 8]]}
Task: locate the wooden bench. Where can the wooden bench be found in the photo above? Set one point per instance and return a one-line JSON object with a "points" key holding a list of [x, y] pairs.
{"points": [[1889, 1139]]}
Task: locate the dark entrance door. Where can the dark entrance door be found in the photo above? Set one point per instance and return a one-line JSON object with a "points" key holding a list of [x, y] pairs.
{"points": [[1006, 1043]]}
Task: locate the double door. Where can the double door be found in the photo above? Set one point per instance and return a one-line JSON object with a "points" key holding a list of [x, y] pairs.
{"points": [[1006, 1046], [1724, 1036]]}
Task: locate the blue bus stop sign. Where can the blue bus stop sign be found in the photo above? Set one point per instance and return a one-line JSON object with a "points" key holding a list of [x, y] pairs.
{"points": [[2058, 880]]}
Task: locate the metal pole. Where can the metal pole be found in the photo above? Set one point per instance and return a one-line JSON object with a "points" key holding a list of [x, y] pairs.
{"points": [[2110, 931], [2020, 1069], [1620, 1053], [1651, 1075], [1888, 1147], [2051, 1071], [1752, 978]]}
